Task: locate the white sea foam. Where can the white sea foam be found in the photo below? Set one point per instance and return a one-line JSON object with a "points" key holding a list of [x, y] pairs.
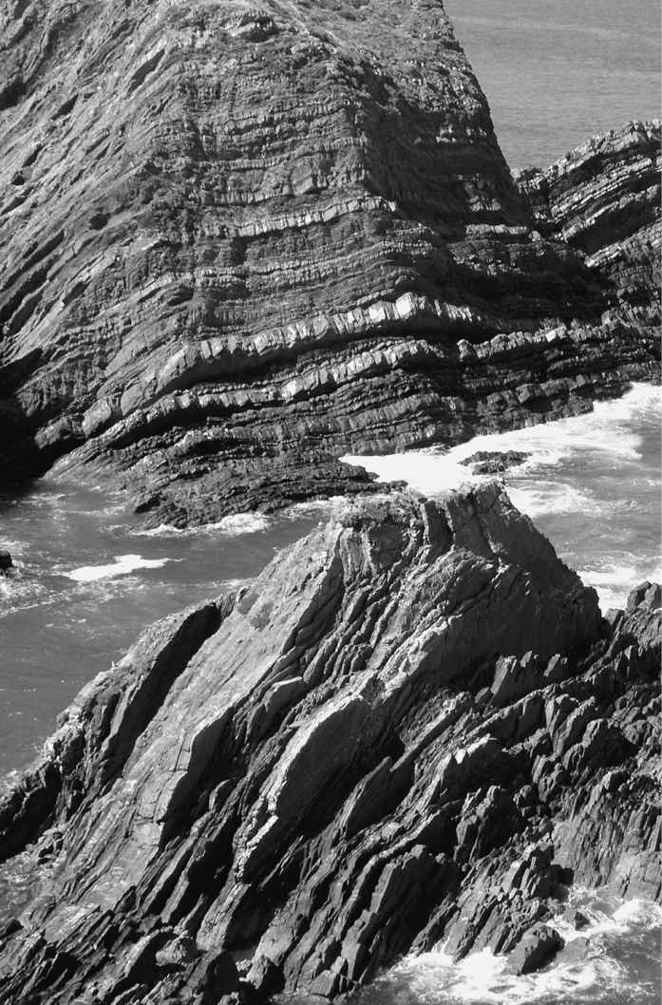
{"points": [[121, 566], [607, 917], [230, 526], [483, 977], [424, 471], [613, 582], [548, 497], [242, 523], [607, 430], [20, 593]]}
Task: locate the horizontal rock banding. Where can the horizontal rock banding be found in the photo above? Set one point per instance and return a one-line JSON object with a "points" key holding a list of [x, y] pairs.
{"points": [[236, 240], [603, 199]]}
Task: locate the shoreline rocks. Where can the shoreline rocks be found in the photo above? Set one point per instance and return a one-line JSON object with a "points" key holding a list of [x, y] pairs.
{"points": [[494, 462], [414, 725], [538, 948]]}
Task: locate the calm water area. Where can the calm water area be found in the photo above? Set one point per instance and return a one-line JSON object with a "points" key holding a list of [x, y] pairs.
{"points": [[558, 71]]}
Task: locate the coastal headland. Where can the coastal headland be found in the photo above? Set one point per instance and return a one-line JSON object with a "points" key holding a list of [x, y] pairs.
{"points": [[238, 243]]}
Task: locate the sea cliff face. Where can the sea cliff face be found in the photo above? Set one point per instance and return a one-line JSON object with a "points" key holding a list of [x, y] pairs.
{"points": [[237, 243], [413, 725], [603, 199]]}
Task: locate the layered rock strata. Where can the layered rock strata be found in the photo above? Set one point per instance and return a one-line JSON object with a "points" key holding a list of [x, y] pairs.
{"points": [[237, 243], [414, 725], [603, 199]]}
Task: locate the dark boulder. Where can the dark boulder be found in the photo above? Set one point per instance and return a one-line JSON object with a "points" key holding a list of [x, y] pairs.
{"points": [[538, 948], [493, 462]]}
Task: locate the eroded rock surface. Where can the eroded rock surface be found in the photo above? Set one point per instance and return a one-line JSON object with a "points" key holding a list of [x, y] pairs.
{"points": [[414, 724], [603, 200], [238, 242]]}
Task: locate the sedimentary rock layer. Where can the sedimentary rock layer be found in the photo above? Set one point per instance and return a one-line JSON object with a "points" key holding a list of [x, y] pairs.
{"points": [[604, 200], [413, 725], [239, 242]]}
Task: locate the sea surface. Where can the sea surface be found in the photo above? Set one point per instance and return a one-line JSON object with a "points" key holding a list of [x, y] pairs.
{"points": [[613, 961], [591, 483], [89, 579], [558, 71]]}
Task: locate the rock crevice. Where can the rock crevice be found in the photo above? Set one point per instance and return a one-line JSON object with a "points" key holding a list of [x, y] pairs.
{"points": [[414, 725]]}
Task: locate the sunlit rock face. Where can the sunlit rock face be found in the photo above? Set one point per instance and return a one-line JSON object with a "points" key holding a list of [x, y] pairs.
{"points": [[239, 242], [413, 726]]}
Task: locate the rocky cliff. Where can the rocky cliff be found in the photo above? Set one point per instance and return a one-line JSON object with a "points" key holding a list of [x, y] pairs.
{"points": [[603, 199], [238, 242], [413, 725]]}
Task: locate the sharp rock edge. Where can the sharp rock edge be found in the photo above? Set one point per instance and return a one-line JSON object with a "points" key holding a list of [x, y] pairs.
{"points": [[239, 242], [414, 725]]}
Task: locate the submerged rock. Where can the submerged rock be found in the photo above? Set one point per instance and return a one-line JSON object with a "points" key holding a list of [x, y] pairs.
{"points": [[493, 462], [316, 777]]}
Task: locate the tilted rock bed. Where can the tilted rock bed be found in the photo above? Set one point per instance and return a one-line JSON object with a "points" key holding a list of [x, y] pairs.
{"points": [[414, 725]]}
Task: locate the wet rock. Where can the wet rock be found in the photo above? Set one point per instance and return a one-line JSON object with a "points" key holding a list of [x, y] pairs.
{"points": [[580, 920], [177, 320], [536, 950], [308, 778], [6, 562], [486, 462]]}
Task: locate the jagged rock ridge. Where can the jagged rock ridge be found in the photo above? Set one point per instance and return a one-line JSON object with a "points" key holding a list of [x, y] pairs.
{"points": [[604, 200], [413, 725], [237, 242]]}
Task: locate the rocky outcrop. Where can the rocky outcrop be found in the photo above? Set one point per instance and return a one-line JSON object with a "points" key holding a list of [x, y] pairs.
{"points": [[414, 725], [239, 242], [603, 200], [494, 462], [536, 949]]}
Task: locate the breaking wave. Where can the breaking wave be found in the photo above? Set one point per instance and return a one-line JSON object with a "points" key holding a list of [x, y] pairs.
{"points": [[601, 963], [591, 483], [230, 526], [122, 565]]}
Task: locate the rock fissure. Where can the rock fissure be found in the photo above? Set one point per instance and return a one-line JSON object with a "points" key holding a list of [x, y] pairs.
{"points": [[382, 805]]}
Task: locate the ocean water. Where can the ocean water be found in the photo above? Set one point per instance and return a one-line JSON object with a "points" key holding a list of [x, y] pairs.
{"points": [[88, 581], [558, 71], [591, 483], [613, 961]]}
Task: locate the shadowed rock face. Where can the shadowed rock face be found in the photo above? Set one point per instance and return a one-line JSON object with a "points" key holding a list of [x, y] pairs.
{"points": [[603, 199], [239, 242], [414, 725]]}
